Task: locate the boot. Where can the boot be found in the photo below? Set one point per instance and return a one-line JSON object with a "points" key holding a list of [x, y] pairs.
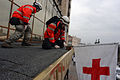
{"points": [[25, 44], [6, 45]]}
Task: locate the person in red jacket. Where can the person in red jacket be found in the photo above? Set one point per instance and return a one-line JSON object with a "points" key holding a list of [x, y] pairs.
{"points": [[54, 36], [20, 19]]}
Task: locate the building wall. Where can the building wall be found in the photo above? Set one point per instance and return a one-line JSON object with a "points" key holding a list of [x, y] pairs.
{"points": [[73, 40], [76, 41], [64, 6], [70, 40], [37, 23]]}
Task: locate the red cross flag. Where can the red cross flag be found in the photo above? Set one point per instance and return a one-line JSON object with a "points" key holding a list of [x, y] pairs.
{"points": [[96, 62]]}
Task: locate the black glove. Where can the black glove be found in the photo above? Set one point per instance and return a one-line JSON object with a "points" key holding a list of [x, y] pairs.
{"points": [[14, 21], [25, 23], [53, 44]]}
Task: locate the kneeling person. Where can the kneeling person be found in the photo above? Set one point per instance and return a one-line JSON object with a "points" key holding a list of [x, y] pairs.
{"points": [[20, 19], [54, 36]]}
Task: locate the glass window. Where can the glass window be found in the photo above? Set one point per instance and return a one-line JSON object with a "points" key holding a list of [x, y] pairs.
{"points": [[51, 1], [38, 27], [5, 7], [59, 2], [49, 11], [41, 14], [24, 2], [54, 12], [14, 8]]}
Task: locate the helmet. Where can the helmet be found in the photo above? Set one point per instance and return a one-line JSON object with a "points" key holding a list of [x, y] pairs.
{"points": [[65, 20], [37, 5]]}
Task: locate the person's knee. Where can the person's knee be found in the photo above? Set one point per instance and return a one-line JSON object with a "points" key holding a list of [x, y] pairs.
{"points": [[28, 29], [46, 44], [60, 43], [19, 28], [61, 46]]}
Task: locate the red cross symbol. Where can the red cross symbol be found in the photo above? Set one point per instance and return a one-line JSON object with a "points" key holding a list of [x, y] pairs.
{"points": [[96, 70]]}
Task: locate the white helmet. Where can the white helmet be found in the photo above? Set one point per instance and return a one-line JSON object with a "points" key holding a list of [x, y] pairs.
{"points": [[37, 5], [65, 20]]}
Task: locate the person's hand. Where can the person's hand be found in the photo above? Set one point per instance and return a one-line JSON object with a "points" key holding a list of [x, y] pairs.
{"points": [[28, 23], [56, 46], [65, 44]]}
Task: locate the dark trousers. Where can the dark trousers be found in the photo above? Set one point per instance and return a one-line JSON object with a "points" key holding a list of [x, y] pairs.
{"points": [[48, 45]]}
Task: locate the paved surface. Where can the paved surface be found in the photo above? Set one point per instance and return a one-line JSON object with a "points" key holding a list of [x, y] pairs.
{"points": [[25, 63], [72, 72]]}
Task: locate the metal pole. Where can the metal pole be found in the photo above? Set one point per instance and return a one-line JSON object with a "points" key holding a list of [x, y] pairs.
{"points": [[9, 19], [32, 27], [45, 17]]}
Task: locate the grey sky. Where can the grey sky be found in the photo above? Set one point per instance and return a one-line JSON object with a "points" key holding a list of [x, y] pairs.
{"points": [[93, 19]]}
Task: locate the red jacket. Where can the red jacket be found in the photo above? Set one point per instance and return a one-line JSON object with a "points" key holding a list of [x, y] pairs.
{"points": [[24, 12], [49, 33]]}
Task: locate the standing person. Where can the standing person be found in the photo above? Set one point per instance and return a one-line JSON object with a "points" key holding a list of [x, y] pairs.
{"points": [[20, 19], [54, 36]]}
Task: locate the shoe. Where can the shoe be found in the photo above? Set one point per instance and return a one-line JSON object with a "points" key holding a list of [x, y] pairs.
{"points": [[6, 45], [26, 44]]}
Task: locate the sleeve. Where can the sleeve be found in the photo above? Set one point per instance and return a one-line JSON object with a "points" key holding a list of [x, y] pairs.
{"points": [[62, 37], [50, 31], [26, 14]]}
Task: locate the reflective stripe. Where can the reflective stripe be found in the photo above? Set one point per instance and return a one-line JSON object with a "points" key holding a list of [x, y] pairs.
{"points": [[25, 17], [63, 36], [51, 28], [19, 12], [53, 24], [51, 38], [29, 7]]}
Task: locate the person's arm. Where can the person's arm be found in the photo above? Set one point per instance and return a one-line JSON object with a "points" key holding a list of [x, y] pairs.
{"points": [[62, 38], [50, 33]]}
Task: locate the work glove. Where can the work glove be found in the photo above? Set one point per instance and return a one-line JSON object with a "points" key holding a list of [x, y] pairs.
{"points": [[26, 23], [56, 46], [65, 44]]}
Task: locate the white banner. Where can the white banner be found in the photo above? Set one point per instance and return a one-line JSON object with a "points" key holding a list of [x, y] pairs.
{"points": [[96, 62]]}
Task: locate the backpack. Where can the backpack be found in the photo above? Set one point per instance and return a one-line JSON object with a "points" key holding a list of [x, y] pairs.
{"points": [[54, 19], [14, 21]]}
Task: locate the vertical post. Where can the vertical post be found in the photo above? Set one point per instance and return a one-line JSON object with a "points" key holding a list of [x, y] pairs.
{"points": [[45, 17], [62, 70], [67, 34], [57, 78], [32, 27], [9, 19]]}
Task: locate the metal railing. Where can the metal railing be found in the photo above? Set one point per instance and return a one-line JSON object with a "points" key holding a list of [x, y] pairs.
{"points": [[34, 17]]}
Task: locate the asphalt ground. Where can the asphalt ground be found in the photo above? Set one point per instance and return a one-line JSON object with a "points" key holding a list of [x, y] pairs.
{"points": [[72, 75], [25, 63]]}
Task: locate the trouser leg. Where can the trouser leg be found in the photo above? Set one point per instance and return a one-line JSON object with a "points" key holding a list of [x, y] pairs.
{"points": [[46, 44], [60, 43], [27, 36], [17, 34]]}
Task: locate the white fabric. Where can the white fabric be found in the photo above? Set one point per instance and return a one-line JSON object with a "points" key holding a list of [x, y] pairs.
{"points": [[56, 46], [106, 53]]}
